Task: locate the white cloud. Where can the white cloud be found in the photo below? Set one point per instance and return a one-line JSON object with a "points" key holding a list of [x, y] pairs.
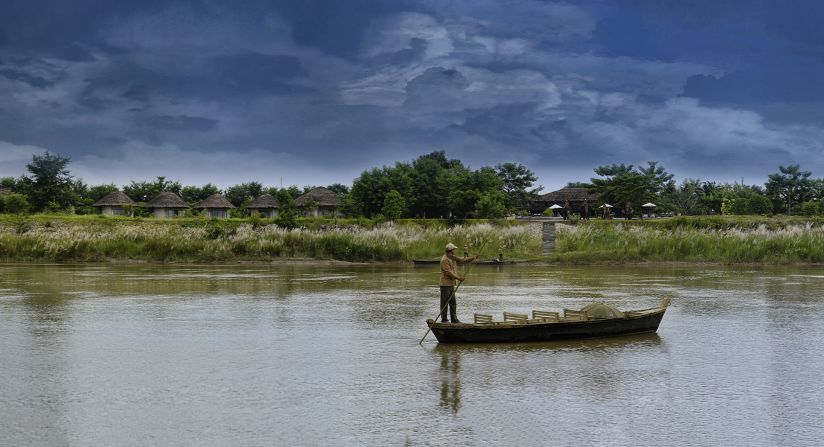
{"points": [[396, 33]]}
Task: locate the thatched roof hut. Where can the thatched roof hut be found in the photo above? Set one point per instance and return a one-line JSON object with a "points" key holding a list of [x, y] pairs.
{"points": [[167, 199], [215, 201], [167, 204], [323, 197], [326, 200], [266, 201], [116, 198]]}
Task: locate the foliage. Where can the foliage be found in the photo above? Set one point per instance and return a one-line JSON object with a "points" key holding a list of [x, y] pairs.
{"points": [[187, 240], [685, 199], [145, 191], [50, 184], [628, 187], [516, 179], [811, 208], [431, 186], [394, 205], [245, 192], [789, 187], [702, 239], [14, 203], [286, 209], [491, 205], [194, 194]]}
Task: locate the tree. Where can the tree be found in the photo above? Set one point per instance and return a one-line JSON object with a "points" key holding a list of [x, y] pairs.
{"points": [[491, 205], [14, 203], [429, 197], [811, 208], [238, 194], [394, 205], [146, 191], [630, 187], [789, 187], [339, 189], [50, 184], [369, 190], [286, 209], [516, 179], [684, 199], [195, 194], [86, 195]]}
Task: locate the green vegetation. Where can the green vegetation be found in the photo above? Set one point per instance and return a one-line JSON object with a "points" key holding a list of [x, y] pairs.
{"points": [[89, 239], [694, 239], [725, 239]]}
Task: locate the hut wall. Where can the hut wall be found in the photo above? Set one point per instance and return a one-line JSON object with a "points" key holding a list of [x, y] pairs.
{"points": [[108, 210], [215, 212], [164, 213]]}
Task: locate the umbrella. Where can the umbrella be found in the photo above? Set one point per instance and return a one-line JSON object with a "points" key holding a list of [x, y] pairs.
{"points": [[606, 205], [555, 207], [648, 205]]}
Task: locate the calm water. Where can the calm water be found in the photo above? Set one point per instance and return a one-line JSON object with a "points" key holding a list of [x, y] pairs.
{"points": [[300, 355]]}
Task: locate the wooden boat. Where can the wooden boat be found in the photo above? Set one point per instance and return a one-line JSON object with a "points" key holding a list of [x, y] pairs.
{"points": [[438, 261], [595, 320]]}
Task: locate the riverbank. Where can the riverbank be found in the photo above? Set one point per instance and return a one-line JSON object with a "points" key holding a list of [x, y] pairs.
{"points": [[728, 240], [90, 239]]}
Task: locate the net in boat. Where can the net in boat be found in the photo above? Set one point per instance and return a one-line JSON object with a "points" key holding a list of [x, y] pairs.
{"points": [[603, 310]]}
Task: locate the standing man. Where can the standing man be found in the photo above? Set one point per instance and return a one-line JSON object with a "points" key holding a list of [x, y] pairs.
{"points": [[449, 278]]}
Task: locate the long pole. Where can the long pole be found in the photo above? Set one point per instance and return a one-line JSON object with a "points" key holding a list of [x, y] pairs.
{"points": [[452, 294]]}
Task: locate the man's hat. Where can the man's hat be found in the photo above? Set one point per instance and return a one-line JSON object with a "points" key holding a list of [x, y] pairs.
{"points": [[450, 246]]}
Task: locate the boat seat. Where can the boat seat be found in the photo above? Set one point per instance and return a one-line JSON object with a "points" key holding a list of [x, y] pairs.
{"points": [[516, 318], [545, 316], [483, 319], [578, 315]]}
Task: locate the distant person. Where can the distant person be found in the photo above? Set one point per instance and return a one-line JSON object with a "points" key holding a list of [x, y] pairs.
{"points": [[449, 278]]}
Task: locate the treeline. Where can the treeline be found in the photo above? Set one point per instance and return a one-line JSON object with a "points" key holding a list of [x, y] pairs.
{"points": [[434, 186], [430, 186], [49, 187], [790, 191]]}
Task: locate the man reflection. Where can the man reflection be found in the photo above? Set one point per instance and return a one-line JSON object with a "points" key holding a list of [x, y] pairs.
{"points": [[450, 380]]}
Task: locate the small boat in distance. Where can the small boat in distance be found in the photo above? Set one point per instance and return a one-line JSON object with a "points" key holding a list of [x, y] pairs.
{"points": [[438, 261], [595, 320]]}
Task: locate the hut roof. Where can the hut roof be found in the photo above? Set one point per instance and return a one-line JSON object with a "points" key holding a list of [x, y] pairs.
{"points": [[5, 191], [215, 201], [116, 198], [167, 199], [568, 194], [322, 196], [262, 202]]}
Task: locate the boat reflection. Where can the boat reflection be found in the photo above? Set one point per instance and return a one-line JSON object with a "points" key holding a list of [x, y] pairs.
{"points": [[586, 344]]}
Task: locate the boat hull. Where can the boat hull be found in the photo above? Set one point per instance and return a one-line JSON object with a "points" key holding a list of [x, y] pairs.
{"points": [[565, 330]]}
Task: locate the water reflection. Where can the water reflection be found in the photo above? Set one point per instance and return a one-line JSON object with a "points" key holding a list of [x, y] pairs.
{"points": [[114, 355], [450, 375]]}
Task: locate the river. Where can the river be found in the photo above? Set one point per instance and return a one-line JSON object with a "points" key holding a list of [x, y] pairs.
{"points": [[329, 355]]}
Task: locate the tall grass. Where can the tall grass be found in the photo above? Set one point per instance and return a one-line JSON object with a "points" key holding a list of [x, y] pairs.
{"points": [[90, 239], [688, 240]]}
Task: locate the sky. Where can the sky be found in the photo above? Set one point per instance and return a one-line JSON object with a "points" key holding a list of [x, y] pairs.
{"points": [[315, 92]]}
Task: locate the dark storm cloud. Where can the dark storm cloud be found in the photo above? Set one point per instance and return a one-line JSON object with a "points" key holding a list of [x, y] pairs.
{"points": [[319, 90]]}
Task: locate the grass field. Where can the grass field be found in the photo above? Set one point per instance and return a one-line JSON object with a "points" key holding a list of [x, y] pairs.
{"points": [[45, 238], [83, 239]]}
